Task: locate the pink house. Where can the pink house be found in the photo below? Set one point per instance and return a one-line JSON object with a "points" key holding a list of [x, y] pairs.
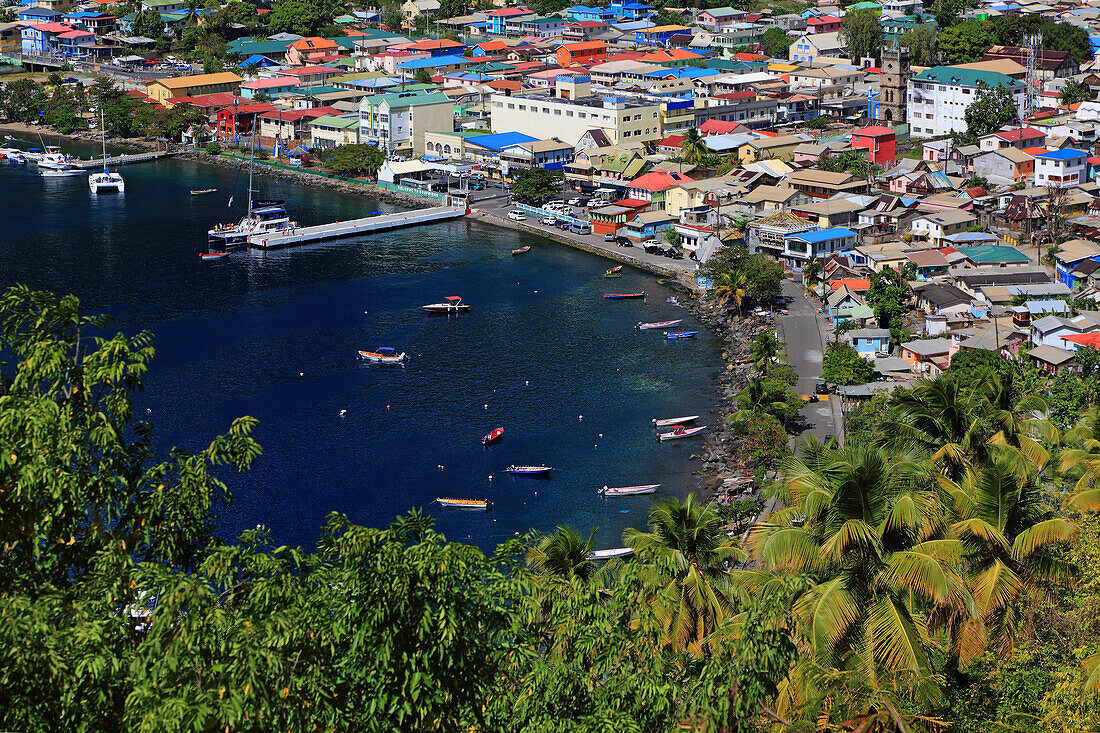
{"points": [[917, 183], [824, 24]]}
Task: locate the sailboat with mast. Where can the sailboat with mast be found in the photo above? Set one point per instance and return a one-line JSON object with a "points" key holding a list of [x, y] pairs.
{"points": [[107, 180], [261, 217]]}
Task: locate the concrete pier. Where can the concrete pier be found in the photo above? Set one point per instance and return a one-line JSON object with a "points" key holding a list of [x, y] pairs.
{"points": [[114, 160], [354, 227]]}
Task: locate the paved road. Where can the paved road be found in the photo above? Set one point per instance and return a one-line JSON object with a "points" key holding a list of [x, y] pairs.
{"points": [[805, 330]]}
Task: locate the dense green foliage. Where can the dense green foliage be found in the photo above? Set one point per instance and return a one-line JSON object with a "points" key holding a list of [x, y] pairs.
{"points": [[843, 365], [535, 184], [762, 274], [862, 34], [776, 43], [303, 17], [888, 297], [354, 160]]}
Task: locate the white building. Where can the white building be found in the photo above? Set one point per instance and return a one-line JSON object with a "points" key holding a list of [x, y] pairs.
{"points": [[1060, 168], [389, 121], [938, 97]]}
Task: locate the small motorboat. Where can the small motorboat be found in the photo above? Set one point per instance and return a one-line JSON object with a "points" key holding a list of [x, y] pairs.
{"points": [[482, 505], [521, 250], [213, 255], [201, 191], [674, 335], [679, 431], [630, 490], [61, 172], [454, 304], [528, 470], [383, 355], [492, 436], [623, 296], [614, 272], [658, 324], [611, 554], [669, 422]]}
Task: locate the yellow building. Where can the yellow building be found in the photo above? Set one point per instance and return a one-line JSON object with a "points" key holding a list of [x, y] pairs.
{"points": [[781, 147], [10, 41], [193, 86], [692, 194]]}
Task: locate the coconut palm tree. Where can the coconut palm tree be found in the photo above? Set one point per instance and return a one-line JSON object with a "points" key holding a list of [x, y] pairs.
{"points": [[693, 146], [1007, 527], [691, 586], [761, 395], [766, 348], [1016, 419], [866, 523], [564, 554], [942, 419], [731, 286], [1084, 461]]}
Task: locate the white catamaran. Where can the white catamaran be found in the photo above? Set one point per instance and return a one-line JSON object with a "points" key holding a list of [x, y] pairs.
{"points": [[105, 181]]}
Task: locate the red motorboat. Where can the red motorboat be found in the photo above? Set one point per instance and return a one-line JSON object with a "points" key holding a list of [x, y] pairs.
{"points": [[623, 296], [493, 436], [454, 304], [213, 255]]}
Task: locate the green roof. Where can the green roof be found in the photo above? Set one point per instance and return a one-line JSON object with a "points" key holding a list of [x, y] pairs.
{"points": [[983, 253], [397, 100], [345, 78], [333, 121], [865, 5], [966, 77], [248, 47], [311, 91]]}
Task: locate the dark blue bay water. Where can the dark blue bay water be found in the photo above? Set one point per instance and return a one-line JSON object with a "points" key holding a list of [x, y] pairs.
{"points": [[275, 336]]}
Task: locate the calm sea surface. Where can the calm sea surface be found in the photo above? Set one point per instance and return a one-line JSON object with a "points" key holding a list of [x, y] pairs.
{"points": [[275, 336]]}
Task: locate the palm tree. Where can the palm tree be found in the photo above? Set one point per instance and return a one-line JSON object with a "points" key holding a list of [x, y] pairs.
{"points": [[731, 286], [766, 348], [812, 273], [940, 418], [761, 395], [564, 554], [1084, 461], [693, 146], [1007, 528], [691, 586], [1015, 419], [866, 524]]}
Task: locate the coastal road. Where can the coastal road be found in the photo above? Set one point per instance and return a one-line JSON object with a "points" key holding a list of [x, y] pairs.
{"points": [[805, 330]]}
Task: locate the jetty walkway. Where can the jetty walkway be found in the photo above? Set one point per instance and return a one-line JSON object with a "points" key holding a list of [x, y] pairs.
{"points": [[122, 159], [354, 227]]}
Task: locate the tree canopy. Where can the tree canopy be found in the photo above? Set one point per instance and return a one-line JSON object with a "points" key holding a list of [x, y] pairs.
{"points": [[862, 34], [354, 160]]}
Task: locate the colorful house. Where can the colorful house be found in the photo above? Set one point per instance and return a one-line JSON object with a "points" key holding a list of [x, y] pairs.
{"points": [[310, 51], [879, 142], [587, 52], [659, 35], [498, 19]]}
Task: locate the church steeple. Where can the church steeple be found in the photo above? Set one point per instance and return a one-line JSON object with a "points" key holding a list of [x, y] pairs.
{"points": [[893, 83]]}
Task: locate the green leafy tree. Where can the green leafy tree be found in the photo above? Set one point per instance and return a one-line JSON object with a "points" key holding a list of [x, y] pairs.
{"points": [[766, 348], [1074, 92], [843, 365], [923, 44], [763, 439], [947, 12], [148, 23], [991, 110], [776, 43], [354, 160], [392, 16], [763, 275], [214, 148], [535, 184], [303, 17], [762, 395], [862, 34], [966, 42], [23, 100], [423, 76], [888, 297]]}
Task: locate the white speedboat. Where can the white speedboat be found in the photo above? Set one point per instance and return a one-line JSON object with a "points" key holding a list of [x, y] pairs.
{"points": [[54, 159], [61, 172]]}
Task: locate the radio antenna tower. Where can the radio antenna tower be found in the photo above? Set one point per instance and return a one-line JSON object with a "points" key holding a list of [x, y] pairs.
{"points": [[1034, 49]]}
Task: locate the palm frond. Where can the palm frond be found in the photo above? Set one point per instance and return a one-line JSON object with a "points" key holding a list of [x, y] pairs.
{"points": [[1041, 534], [895, 641]]}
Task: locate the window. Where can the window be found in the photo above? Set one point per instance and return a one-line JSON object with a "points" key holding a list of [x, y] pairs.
{"points": [[511, 106]]}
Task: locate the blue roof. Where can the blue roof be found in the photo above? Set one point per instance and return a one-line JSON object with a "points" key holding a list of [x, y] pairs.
{"points": [[821, 235], [44, 12], [433, 62], [500, 140], [686, 72], [1067, 154]]}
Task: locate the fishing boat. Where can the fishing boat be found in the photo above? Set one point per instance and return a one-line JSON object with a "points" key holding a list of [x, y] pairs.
{"points": [[669, 422], [261, 217], [521, 250], [481, 505], [201, 191], [213, 255], [657, 324], [616, 271], [611, 554], [105, 181], [675, 335], [528, 470], [383, 355], [492, 436], [454, 304], [679, 431], [623, 296], [630, 490]]}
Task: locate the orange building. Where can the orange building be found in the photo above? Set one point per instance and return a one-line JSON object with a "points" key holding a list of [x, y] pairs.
{"points": [[879, 142], [585, 52]]}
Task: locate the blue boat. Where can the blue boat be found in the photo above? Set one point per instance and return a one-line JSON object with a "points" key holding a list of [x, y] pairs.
{"points": [[674, 335]]}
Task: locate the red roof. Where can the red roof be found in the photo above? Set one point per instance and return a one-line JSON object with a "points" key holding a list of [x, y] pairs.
{"points": [[874, 131], [217, 99], [1085, 339], [672, 141], [52, 27], [314, 43], [1095, 160], [1035, 151], [246, 109], [492, 46], [1026, 133], [306, 70], [855, 285], [746, 56], [718, 127], [632, 203], [508, 12], [583, 45], [745, 94], [292, 115], [658, 180]]}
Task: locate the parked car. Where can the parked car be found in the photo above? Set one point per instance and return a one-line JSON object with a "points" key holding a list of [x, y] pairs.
{"points": [[516, 216], [609, 237], [882, 354], [547, 220], [653, 248], [562, 224], [581, 227], [623, 242], [821, 388]]}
